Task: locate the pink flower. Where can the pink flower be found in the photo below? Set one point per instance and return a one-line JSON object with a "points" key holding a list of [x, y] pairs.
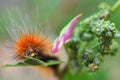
{"points": [[65, 34]]}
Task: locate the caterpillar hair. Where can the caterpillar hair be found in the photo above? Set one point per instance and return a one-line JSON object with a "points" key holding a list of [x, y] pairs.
{"points": [[28, 39]]}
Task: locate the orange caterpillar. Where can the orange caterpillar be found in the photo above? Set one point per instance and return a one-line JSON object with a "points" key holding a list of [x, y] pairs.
{"points": [[28, 41], [37, 47], [29, 44]]}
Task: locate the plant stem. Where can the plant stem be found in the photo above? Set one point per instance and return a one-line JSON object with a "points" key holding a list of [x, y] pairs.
{"points": [[115, 6]]}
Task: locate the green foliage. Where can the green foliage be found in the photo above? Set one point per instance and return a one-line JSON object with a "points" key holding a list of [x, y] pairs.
{"points": [[92, 39]]}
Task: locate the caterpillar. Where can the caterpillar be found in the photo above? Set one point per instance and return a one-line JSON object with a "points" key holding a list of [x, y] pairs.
{"points": [[28, 40]]}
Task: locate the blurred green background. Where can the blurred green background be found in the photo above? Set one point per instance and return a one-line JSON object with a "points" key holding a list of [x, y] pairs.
{"points": [[58, 13]]}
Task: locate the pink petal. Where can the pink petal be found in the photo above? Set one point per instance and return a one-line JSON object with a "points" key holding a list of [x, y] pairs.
{"points": [[65, 35]]}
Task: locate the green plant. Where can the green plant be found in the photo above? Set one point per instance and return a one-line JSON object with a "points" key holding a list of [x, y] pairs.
{"points": [[92, 39]]}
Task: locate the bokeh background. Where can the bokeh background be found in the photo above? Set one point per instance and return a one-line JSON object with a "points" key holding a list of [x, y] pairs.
{"points": [[57, 13]]}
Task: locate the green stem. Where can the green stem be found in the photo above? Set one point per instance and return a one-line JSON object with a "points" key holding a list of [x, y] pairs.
{"points": [[115, 6]]}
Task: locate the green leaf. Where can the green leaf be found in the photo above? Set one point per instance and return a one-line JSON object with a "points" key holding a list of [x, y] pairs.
{"points": [[29, 61], [53, 62]]}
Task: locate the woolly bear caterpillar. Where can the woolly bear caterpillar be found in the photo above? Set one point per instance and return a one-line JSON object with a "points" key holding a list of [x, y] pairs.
{"points": [[26, 40]]}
